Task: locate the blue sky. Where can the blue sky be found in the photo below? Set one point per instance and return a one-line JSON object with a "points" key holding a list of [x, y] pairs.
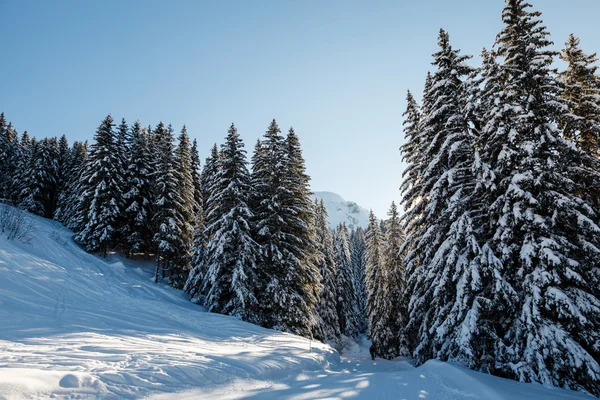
{"points": [[337, 71]]}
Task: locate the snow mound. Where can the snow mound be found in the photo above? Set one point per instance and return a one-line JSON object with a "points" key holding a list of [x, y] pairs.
{"points": [[340, 210], [74, 325]]}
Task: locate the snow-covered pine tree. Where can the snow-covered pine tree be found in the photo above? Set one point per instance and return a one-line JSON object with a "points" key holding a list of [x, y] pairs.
{"points": [[194, 283], [9, 154], [327, 328], [544, 233], [101, 188], [208, 213], [69, 200], [289, 281], [358, 248], [137, 229], [64, 160], [582, 123], [196, 179], [444, 284], [122, 148], [231, 253], [396, 286], [38, 184], [346, 303], [187, 207], [172, 245], [378, 299], [582, 95], [207, 179], [300, 226]]}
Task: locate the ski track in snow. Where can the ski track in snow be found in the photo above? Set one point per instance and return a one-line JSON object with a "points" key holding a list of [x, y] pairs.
{"points": [[73, 326]]}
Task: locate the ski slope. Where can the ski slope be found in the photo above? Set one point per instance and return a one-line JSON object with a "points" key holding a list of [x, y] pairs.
{"points": [[76, 326], [71, 323]]}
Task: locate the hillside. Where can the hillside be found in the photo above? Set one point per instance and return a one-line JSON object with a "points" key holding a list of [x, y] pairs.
{"points": [[340, 210], [73, 323], [76, 326]]}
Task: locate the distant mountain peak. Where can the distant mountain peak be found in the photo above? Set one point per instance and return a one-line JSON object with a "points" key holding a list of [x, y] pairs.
{"points": [[339, 210]]}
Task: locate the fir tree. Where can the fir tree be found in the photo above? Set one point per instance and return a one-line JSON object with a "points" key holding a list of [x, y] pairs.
{"points": [[543, 233], [172, 246], [137, 228], [101, 188], [289, 279], [582, 123], [231, 253], [346, 303], [196, 179], [396, 286], [358, 248], [327, 328], [378, 299], [187, 205], [69, 201]]}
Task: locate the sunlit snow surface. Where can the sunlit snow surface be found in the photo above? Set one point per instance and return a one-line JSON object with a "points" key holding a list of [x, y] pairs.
{"points": [[73, 326]]}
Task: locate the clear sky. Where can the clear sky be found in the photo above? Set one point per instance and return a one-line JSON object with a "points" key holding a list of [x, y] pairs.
{"points": [[337, 71]]}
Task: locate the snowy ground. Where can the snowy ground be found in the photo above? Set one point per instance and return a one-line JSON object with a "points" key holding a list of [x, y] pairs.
{"points": [[357, 377], [74, 326]]}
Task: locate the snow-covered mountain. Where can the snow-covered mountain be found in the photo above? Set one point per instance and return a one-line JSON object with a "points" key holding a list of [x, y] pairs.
{"points": [[340, 210]]}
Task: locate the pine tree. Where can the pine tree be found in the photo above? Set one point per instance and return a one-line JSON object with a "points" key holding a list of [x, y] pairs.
{"points": [[327, 328], [172, 245], [358, 248], [9, 153], [289, 280], [137, 228], [196, 179], [101, 188], [542, 232], [38, 184], [231, 253], [582, 123], [443, 269], [187, 205], [69, 201], [207, 178], [346, 303], [378, 299], [396, 285]]}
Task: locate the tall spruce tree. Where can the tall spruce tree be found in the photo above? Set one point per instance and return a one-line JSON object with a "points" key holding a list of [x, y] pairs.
{"points": [[445, 284], [581, 124], [100, 194], [378, 299], [543, 233], [187, 207], [288, 277], [396, 286], [172, 245], [358, 248], [196, 179], [346, 303], [137, 229], [327, 328], [231, 253]]}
